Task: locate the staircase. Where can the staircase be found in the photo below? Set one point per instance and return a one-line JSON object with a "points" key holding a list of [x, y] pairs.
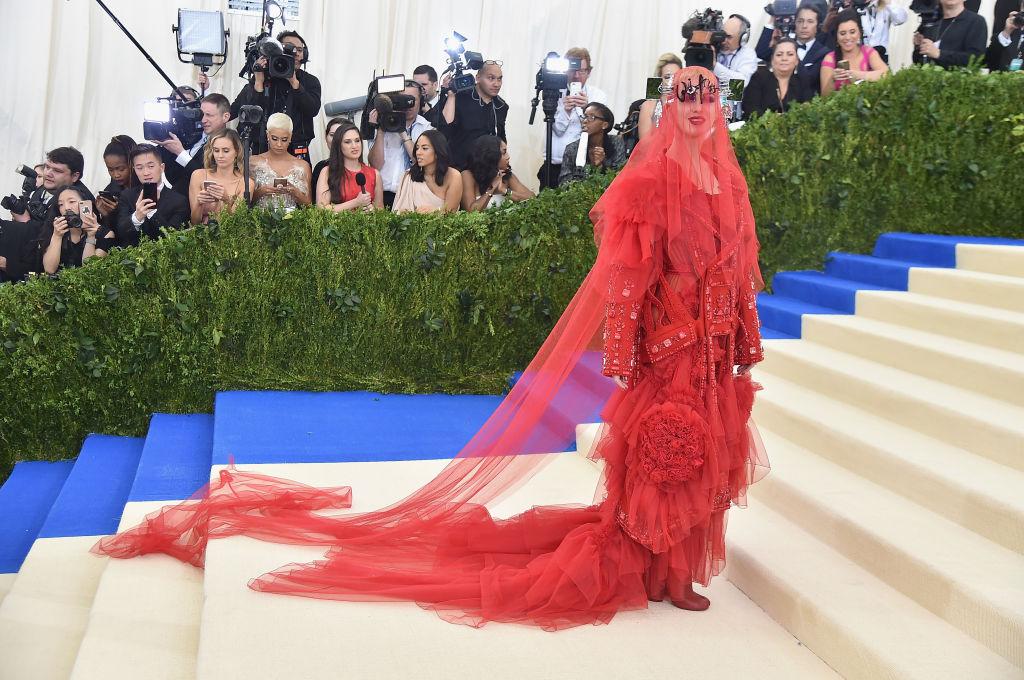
{"points": [[887, 542]]}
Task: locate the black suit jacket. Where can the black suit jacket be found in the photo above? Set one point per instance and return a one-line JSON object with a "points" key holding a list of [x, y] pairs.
{"points": [[1000, 60], [172, 211], [762, 94], [302, 105]]}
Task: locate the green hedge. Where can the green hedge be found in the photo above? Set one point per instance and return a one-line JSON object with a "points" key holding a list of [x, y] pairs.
{"points": [[924, 150], [317, 300], [325, 301]]}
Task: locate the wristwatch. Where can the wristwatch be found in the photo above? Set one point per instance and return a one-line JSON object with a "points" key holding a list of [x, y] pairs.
{"points": [[90, 241]]}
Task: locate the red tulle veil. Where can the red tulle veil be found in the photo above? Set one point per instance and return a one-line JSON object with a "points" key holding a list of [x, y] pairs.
{"points": [[681, 197]]}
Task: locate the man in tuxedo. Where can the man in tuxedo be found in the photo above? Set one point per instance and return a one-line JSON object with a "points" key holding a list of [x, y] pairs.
{"points": [[1007, 50], [216, 110], [138, 215], [811, 46]]}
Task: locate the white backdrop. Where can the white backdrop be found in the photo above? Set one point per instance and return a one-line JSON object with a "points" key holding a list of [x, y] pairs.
{"points": [[72, 77]]}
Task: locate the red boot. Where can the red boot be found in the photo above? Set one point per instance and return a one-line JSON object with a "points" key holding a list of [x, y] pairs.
{"points": [[691, 601]]}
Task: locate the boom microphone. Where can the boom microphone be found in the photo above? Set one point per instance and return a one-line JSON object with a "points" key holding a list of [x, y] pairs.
{"points": [[343, 106]]}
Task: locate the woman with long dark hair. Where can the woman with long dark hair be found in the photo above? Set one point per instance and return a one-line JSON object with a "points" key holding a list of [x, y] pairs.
{"points": [[329, 130], [852, 61], [340, 188], [605, 151], [431, 184], [488, 180]]}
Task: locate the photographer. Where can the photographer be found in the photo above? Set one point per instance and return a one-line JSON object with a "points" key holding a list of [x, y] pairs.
{"points": [[71, 234], [433, 101], [145, 209], [475, 113], [995, 56], [216, 112], [958, 37], [568, 117], [1011, 40], [63, 167], [392, 153], [298, 97], [811, 47], [736, 60]]}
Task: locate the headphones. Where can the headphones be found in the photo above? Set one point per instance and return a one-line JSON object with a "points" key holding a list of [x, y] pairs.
{"points": [[745, 35], [419, 86]]}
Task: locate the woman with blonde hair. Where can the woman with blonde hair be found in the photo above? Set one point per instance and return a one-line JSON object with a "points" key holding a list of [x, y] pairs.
{"points": [[282, 180], [220, 183], [650, 110]]}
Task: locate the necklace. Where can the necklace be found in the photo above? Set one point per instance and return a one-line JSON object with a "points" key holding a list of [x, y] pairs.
{"points": [[943, 31]]}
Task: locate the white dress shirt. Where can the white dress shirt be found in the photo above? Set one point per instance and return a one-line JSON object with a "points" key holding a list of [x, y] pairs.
{"points": [[876, 24], [396, 159], [186, 155], [568, 127], [738, 65]]}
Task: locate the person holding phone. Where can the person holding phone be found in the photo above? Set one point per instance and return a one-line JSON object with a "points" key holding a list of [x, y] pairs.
{"points": [[341, 187], [489, 181], [72, 233], [604, 151], [282, 180], [115, 158], [146, 209], [568, 124], [852, 61], [219, 184]]}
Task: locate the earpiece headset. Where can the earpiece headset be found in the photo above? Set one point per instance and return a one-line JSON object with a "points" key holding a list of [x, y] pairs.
{"points": [[745, 36]]}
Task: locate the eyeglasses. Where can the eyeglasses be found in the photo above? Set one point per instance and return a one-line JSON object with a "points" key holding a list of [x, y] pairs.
{"points": [[583, 70], [591, 118], [493, 62]]}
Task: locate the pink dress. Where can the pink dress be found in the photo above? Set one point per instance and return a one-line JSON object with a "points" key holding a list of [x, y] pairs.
{"points": [[864, 65]]}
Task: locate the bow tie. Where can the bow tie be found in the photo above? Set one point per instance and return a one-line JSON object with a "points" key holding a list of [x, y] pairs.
{"points": [[801, 47]]}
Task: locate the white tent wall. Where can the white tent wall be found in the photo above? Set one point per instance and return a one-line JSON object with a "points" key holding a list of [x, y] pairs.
{"points": [[74, 78]]}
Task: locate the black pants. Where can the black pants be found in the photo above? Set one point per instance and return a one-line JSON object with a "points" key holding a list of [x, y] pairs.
{"points": [[555, 170]]}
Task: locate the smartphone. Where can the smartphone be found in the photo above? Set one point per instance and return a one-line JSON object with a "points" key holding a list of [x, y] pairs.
{"points": [[149, 191], [653, 88], [843, 64], [736, 89], [208, 184], [107, 195], [280, 182], [85, 208], [575, 88]]}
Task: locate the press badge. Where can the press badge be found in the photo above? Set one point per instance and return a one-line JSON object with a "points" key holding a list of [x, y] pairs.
{"points": [[1016, 64]]}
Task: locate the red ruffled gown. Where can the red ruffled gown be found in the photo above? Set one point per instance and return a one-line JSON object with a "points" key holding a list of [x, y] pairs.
{"points": [[674, 290]]}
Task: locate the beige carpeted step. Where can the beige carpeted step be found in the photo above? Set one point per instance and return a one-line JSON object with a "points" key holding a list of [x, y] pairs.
{"points": [[6, 581], [979, 288], [985, 426], [967, 580], [996, 373], [44, 615], [258, 636], [144, 620], [975, 492], [982, 325], [1005, 260], [856, 623]]}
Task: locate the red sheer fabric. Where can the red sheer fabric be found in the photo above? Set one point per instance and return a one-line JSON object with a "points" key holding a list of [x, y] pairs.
{"points": [[672, 290]]}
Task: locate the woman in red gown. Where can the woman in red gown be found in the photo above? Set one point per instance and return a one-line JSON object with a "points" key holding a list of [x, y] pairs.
{"points": [[671, 301]]}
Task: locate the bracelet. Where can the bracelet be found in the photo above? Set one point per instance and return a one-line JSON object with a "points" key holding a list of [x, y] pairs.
{"points": [[90, 241]]}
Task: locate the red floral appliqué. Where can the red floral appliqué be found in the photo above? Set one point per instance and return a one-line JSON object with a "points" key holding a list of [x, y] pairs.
{"points": [[670, 446]]}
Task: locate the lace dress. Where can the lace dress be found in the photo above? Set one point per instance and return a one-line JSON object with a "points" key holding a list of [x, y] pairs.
{"points": [[263, 175]]}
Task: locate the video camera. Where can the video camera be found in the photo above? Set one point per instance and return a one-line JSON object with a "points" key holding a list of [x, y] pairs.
{"points": [[459, 61], [784, 14], [704, 34], [35, 208], [169, 115], [386, 95], [280, 58], [930, 12], [860, 6]]}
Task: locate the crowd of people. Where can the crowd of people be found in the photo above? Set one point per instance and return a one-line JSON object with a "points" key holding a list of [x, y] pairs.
{"points": [[451, 153]]}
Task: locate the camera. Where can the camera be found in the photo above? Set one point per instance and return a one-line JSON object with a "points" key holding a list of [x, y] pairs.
{"points": [[73, 219], [860, 6], [459, 61], [554, 72], [1018, 20], [386, 95], [784, 14], [704, 34], [930, 12], [170, 115], [35, 208]]}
